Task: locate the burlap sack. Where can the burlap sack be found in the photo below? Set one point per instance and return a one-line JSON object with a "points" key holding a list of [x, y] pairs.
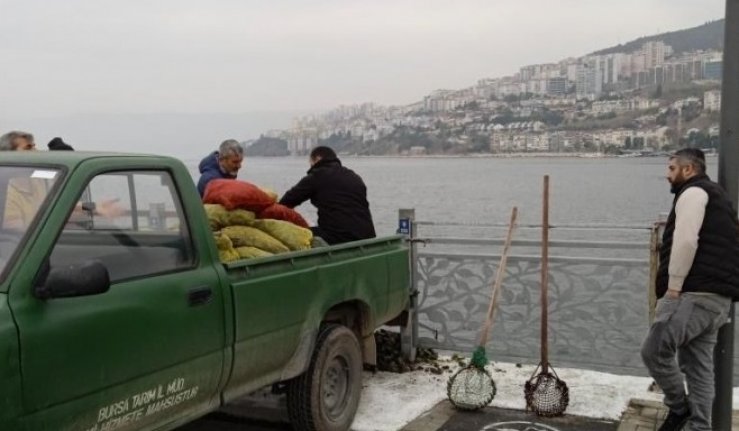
{"points": [[230, 255], [250, 252], [234, 194], [281, 212], [217, 216], [222, 241], [240, 218], [248, 236], [271, 193], [294, 237]]}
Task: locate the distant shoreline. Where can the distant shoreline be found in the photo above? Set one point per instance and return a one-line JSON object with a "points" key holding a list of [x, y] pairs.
{"points": [[497, 156], [492, 156], [485, 156]]}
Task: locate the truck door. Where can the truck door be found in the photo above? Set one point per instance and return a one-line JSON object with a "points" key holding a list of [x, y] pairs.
{"points": [[148, 350]]}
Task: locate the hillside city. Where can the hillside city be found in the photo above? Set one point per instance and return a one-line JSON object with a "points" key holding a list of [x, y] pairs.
{"points": [[649, 99]]}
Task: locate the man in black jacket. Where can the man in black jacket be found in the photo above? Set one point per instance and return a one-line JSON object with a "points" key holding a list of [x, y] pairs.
{"points": [[698, 277], [340, 196], [57, 144]]}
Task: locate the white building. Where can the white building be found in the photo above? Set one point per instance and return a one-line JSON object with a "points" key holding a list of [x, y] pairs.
{"points": [[712, 100], [623, 105], [654, 53], [589, 84], [301, 141]]}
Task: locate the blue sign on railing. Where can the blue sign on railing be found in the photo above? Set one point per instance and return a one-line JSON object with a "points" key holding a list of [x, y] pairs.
{"points": [[404, 226]]}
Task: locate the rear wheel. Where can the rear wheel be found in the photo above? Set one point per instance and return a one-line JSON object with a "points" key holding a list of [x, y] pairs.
{"points": [[326, 396]]}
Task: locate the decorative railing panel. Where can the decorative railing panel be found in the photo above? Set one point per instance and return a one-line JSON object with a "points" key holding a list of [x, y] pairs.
{"points": [[598, 308]]}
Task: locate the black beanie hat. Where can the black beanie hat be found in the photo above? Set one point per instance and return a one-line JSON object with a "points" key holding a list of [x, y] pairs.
{"points": [[58, 144]]}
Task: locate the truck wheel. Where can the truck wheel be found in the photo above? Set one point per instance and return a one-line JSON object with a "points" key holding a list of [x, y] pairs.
{"points": [[326, 396]]}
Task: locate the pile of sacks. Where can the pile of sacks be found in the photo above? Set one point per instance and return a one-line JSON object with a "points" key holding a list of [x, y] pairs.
{"points": [[247, 222]]}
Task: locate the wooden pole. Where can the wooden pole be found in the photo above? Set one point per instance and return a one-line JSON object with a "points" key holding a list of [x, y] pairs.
{"points": [[545, 277], [728, 178], [498, 280]]}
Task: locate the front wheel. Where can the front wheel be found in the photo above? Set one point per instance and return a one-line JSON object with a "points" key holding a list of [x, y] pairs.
{"points": [[326, 396]]}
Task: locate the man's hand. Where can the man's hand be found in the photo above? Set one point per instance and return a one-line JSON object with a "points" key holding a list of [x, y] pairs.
{"points": [[672, 294], [110, 208]]}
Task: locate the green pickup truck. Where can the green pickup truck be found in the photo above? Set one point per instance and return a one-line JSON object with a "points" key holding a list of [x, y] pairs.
{"points": [[116, 314]]}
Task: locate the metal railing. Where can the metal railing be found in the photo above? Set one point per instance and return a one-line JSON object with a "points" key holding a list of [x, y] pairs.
{"points": [[601, 298]]}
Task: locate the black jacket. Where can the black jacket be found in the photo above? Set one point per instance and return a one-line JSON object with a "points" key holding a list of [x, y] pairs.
{"points": [[340, 196], [715, 268]]}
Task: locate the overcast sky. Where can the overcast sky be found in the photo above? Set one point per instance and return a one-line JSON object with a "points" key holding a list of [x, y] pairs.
{"points": [[83, 59]]}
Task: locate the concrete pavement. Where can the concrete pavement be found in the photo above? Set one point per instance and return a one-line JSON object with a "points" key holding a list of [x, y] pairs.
{"points": [[265, 412]]}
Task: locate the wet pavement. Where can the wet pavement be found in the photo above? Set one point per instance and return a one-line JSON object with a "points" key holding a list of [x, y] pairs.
{"points": [[260, 411], [269, 414], [443, 417], [490, 419], [223, 422], [646, 415]]}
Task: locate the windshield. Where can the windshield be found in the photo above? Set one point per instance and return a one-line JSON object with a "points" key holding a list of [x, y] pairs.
{"points": [[23, 190]]}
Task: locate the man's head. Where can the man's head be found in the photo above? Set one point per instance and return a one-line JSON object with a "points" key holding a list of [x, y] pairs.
{"points": [[684, 165], [17, 141], [321, 153], [230, 157], [58, 144]]}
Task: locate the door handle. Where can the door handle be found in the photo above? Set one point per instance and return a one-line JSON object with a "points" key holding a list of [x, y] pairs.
{"points": [[199, 296]]}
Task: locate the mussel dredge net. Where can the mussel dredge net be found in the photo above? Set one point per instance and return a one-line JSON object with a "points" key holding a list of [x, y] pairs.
{"points": [[546, 394], [472, 387]]}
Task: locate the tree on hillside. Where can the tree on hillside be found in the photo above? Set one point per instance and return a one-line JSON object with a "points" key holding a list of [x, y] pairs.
{"points": [[471, 106], [611, 96], [706, 36], [658, 92], [611, 149], [661, 119], [671, 136], [270, 147], [548, 117], [607, 116], [480, 143], [691, 112], [505, 116], [512, 98]]}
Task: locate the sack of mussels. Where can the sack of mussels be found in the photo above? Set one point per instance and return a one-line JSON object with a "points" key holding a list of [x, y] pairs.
{"points": [[250, 234]]}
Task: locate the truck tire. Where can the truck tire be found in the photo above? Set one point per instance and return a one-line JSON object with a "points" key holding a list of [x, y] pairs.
{"points": [[326, 396]]}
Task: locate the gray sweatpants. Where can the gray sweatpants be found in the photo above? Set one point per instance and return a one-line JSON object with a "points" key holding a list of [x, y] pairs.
{"points": [[686, 327]]}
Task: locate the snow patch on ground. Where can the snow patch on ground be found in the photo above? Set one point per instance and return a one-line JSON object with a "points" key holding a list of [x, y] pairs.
{"points": [[592, 394], [390, 401]]}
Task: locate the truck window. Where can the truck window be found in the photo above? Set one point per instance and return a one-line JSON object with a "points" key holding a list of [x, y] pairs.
{"points": [[130, 221], [22, 192]]}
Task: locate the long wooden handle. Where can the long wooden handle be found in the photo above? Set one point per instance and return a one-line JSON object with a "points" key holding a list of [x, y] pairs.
{"points": [[545, 276], [498, 280]]}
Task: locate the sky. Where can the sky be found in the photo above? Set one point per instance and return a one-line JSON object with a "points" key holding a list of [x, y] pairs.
{"points": [[106, 72]]}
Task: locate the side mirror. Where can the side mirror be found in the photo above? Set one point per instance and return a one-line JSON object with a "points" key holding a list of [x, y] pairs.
{"points": [[84, 279]]}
